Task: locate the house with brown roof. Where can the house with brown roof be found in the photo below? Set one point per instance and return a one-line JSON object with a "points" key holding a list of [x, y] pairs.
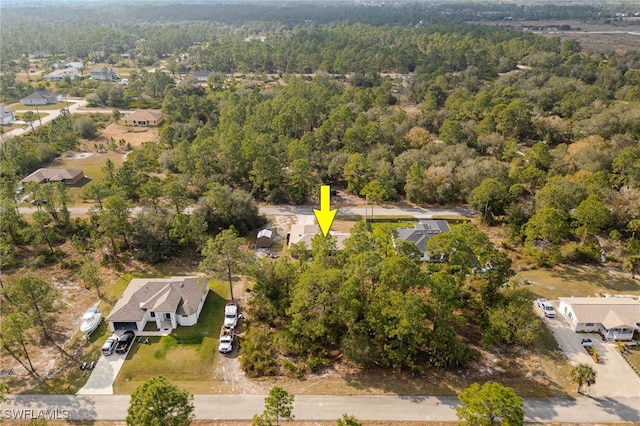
{"points": [[143, 118], [159, 305], [66, 176], [616, 318]]}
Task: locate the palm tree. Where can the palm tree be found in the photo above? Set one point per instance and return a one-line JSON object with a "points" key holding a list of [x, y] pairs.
{"points": [[583, 374]]}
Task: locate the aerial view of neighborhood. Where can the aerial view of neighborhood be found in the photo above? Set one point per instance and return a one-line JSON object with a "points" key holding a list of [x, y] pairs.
{"points": [[315, 213]]}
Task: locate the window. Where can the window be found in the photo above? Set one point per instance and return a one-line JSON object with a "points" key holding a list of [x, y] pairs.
{"points": [[167, 315], [589, 324], [153, 314]]}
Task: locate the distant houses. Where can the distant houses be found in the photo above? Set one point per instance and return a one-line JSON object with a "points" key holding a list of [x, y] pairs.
{"points": [[104, 74], [42, 97], [7, 116], [143, 118], [66, 176], [201, 76], [62, 74]]}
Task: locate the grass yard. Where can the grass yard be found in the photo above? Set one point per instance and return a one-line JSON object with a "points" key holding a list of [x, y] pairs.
{"points": [[567, 281], [55, 107], [186, 357], [633, 356]]}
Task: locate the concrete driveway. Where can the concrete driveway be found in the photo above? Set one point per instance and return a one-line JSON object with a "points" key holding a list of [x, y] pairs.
{"points": [[614, 377], [103, 375]]}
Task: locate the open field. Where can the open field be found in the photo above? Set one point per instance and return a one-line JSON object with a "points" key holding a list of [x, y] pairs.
{"points": [[601, 37], [567, 281]]}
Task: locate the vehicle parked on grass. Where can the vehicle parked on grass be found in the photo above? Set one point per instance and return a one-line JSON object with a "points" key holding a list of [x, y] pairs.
{"points": [[124, 342], [231, 315], [110, 345]]}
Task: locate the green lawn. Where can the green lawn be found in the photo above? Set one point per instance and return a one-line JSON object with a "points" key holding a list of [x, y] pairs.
{"points": [[20, 105], [185, 357]]}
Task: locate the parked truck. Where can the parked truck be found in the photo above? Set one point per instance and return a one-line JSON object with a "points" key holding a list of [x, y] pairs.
{"points": [[227, 337]]}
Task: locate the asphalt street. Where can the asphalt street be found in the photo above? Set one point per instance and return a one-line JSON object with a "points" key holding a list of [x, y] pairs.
{"points": [[325, 407]]}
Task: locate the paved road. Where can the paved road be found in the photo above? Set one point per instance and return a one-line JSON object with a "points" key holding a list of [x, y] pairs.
{"points": [[323, 407], [308, 211], [51, 114]]}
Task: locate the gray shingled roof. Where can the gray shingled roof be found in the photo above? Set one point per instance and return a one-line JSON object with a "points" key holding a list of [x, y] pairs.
{"points": [[175, 294], [422, 231], [40, 94]]}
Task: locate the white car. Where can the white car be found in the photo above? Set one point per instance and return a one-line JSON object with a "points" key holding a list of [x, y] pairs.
{"points": [[548, 310], [230, 315]]}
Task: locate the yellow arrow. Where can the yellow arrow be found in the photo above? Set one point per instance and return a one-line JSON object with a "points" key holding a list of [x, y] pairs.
{"points": [[325, 215]]}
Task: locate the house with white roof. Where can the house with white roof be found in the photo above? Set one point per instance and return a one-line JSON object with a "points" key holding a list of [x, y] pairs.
{"points": [[304, 233], [616, 318]]}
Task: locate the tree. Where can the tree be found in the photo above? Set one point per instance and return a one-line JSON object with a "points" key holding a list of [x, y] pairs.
{"points": [[301, 180], [278, 404], [490, 197], [114, 220], [632, 264], [37, 298], [592, 216], [348, 420], [223, 254], [29, 117], [583, 375], [116, 115], [159, 402], [90, 274], [4, 390], [15, 334], [490, 404], [85, 127]]}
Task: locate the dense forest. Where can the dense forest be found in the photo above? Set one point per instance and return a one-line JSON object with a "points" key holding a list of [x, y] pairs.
{"points": [[538, 135]]}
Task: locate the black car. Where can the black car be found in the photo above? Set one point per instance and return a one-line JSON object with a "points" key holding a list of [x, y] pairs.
{"points": [[124, 342]]}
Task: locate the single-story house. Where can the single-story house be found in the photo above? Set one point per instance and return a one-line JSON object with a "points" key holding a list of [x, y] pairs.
{"points": [[264, 238], [7, 116], [143, 118], [42, 97], [201, 76], [61, 74], [420, 234], [104, 74], [159, 304], [39, 55], [616, 318], [66, 176], [304, 233]]}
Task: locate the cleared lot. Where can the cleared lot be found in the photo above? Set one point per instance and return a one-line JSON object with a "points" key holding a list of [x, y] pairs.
{"points": [[615, 378]]}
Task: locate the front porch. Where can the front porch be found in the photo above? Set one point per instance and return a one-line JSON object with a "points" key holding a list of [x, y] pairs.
{"points": [[151, 329]]}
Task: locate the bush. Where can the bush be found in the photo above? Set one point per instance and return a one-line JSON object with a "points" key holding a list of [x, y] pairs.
{"points": [[575, 252], [85, 127], [257, 358]]}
